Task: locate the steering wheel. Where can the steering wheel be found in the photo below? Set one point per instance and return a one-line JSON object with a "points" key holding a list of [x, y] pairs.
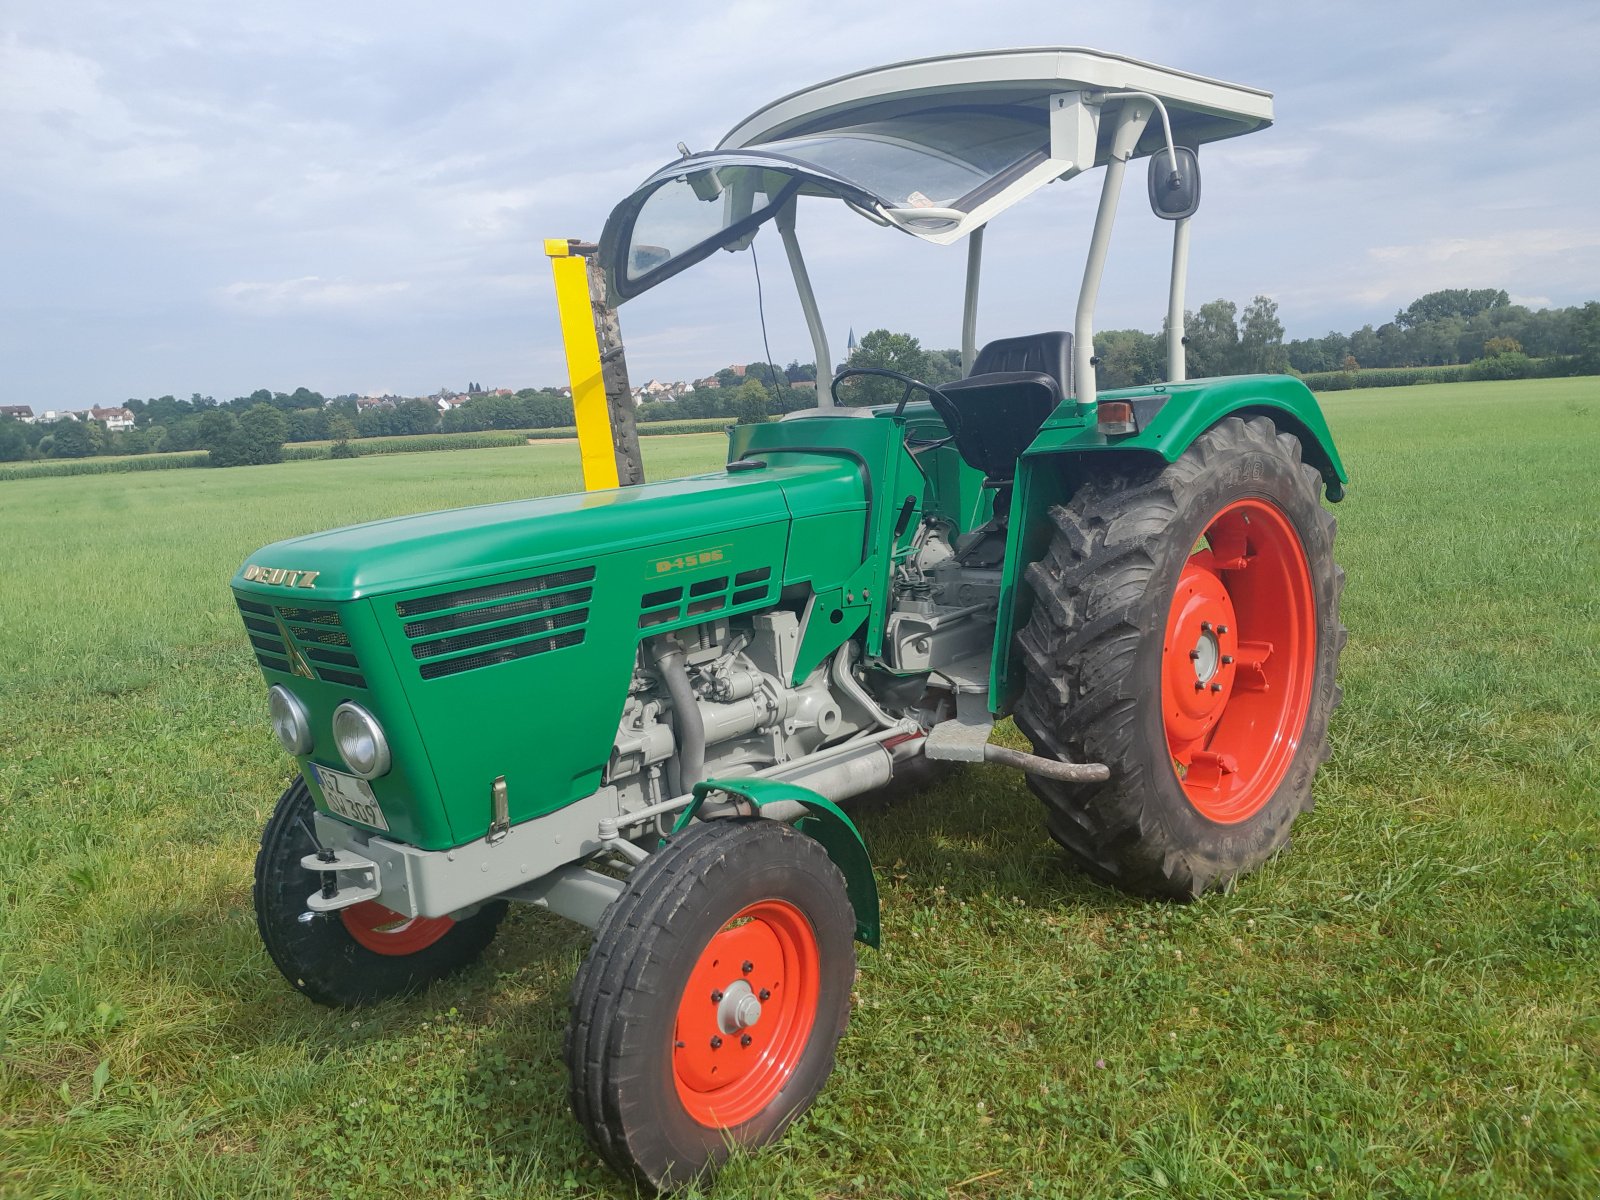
{"points": [[947, 411]]}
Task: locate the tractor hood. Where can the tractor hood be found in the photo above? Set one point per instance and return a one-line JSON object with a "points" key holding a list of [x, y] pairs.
{"points": [[404, 553]]}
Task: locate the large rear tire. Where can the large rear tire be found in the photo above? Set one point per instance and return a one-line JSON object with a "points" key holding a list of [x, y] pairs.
{"points": [[1186, 632], [358, 955], [708, 1011]]}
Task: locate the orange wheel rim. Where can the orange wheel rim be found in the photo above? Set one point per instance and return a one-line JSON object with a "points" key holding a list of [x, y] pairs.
{"points": [[384, 931], [746, 1014], [1238, 658]]}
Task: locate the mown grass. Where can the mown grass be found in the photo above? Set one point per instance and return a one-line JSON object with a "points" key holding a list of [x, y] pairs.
{"points": [[1407, 1004]]}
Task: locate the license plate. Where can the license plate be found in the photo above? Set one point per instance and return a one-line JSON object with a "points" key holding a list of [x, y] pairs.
{"points": [[349, 797]]}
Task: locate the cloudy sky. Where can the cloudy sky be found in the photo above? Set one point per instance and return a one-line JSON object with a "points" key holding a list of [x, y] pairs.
{"points": [[203, 197]]}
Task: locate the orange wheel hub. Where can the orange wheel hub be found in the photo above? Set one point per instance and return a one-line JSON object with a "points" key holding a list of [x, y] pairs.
{"points": [[1237, 660], [746, 1014], [384, 931]]}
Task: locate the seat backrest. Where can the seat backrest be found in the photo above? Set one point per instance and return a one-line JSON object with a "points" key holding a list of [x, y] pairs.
{"points": [[1047, 353], [1016, 383]]}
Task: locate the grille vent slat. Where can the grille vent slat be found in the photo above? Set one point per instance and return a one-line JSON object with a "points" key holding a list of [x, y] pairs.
{"points": [[497, 612], [498, 633], [501, 654], [706, 597], [553, 611], [311, 616], [314, 631], [490, 593]]}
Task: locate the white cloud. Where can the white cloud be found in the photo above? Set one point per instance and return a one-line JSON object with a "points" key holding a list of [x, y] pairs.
{"points": [[309, 292]]}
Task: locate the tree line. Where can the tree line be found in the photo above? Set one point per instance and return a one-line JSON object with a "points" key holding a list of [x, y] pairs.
{"points": [[1442, 328]]}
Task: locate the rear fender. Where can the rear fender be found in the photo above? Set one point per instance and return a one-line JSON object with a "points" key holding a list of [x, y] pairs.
{"points": [[823, 821], [1169, 417]]}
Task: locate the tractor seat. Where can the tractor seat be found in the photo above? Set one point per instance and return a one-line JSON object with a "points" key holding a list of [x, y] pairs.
{"points": [[1016, 383]]}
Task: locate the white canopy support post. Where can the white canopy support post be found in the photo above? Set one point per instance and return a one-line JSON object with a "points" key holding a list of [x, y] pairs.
{"points": [[969, 312], [1177, 361], [1132, 117], [808, 302]]}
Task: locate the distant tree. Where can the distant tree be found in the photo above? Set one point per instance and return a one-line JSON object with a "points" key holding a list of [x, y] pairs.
{"points": [[941, 366], [219, 434], [13, 440], [307, 424], [1213, 339], [729, 378], [262, 431], [1452, 302], [1129, 357], [1501, 345], [75, 439], [890, 351], [1586, 337], [799, 372], [1260, 339], [751, 401]]}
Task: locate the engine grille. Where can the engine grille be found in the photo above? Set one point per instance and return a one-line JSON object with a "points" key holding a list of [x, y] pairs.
{"points": [[704, 598], [296, 640], [500, 622]]}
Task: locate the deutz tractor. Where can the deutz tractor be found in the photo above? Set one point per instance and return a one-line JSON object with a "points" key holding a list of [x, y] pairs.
{"points": [[641, 707]]}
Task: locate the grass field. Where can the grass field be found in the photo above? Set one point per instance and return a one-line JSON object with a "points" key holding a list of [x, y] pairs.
{"points": [[1406, 1004]]}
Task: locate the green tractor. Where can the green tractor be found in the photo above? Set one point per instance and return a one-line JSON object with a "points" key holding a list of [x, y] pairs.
{"points": [[641, 707]]}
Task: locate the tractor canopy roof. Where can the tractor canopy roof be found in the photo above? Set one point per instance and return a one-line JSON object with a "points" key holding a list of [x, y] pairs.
{"points": [[935, 147]]}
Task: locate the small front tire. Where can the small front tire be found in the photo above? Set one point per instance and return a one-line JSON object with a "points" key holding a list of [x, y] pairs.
{"points": [[710, 1006], [358, 955]]}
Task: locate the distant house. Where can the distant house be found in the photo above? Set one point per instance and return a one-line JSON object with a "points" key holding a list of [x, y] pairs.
{"points": [[22, 412], [114, 419], [710, 381], [51, 415], [446, 403], [803, 385], [367, 403]]}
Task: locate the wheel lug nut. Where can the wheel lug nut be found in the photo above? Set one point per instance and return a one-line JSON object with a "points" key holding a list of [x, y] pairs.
{"points": [[1198, 686], [1216, 687], [763, 994], [680, 1045], [1205, 626], [1226, 659], [1194, 656], [747, 966], [1222, 629], [716, 1041], [716, 996], [745, 1040]]}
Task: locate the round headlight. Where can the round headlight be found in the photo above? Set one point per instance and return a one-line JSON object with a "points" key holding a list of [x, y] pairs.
{"points": [[289, 720], [360, 740]]}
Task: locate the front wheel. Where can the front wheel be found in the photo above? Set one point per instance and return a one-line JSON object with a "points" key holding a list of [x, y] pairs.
{"points": [[357, 955], [1186, 633], [708, 1011]]}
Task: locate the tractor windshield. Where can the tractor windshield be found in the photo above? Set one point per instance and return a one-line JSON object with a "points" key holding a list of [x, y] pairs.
{"points": [[930, 159], [919, 171]]}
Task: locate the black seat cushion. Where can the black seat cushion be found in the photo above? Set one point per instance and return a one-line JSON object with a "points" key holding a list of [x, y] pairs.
{"points": [[1016, 383]]}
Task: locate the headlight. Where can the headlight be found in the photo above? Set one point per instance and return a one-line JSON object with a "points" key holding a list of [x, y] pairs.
{"points": [[360, 740], [289, 720]]}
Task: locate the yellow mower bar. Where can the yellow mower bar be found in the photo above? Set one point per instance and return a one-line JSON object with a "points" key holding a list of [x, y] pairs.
{"points": [[596, 446]]}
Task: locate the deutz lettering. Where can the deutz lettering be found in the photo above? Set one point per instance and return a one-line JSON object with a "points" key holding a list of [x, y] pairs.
{"points": [[279, 577]]}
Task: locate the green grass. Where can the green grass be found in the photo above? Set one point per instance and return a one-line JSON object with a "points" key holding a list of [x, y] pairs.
{"points": [[1406, 1004]]}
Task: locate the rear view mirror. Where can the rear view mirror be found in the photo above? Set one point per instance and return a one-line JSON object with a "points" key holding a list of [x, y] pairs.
{"points": [[1174, 186]]}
